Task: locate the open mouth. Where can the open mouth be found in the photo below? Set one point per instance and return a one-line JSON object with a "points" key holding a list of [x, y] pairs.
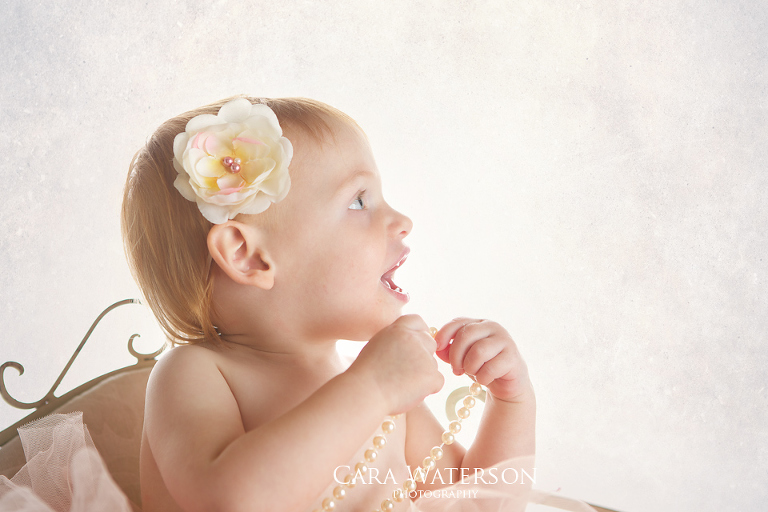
{"points": [[388, 276]]}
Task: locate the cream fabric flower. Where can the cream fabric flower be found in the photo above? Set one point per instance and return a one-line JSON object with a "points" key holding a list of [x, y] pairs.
{"points": [[233, 162]]}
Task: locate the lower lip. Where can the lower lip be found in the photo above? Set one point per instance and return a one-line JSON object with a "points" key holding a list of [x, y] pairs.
{"points": [[399, 295]]}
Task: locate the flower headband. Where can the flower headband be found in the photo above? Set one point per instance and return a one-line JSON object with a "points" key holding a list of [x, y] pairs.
{"points": [[233, 162]]}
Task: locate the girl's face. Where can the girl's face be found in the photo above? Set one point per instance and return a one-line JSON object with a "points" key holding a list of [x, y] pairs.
{"points": [[338, 240]]}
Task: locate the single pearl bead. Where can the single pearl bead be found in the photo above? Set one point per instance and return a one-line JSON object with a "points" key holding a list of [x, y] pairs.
{"points": [[339, 492], [379, 442], [398, 495], [448, 437], [370, 455], [235, 168], [361, 468], [387, 506], [469, 402], [463, 413], [428, 463], [349, 481], [328, 504], [388, 426], [433, 331], [475, 389], [419, 475], [436, 453], [227, 160], [237, 161], [409, 485], [454, 427]]}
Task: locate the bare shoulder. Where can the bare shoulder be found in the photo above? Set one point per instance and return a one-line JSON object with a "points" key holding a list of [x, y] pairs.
{"points": [[186, 382], [189, 404], [178, 376], [177, 361]]}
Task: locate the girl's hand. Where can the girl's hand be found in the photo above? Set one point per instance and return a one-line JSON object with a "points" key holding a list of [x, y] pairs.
{"points": [[399, 362], [485, 351]]}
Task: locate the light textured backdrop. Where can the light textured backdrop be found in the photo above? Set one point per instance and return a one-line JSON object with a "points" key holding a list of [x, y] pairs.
{"points": [[591, 175]]}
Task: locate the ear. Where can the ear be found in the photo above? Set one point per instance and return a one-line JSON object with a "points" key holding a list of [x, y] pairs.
{"points": [[238, 249]]}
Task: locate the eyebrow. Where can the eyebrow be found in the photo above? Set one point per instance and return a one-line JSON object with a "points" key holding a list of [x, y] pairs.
{"points": [[359, 174]]}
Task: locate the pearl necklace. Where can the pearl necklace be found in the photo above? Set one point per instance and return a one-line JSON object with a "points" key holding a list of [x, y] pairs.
{"points": [[420, 475]]}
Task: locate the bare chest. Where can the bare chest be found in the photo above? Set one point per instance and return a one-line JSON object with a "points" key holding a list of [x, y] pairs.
{"points": [[376, 482], [263, 394]]}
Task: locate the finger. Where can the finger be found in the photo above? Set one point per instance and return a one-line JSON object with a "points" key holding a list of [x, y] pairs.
{"points": [[457, 346], [443, 354], [494, 369], [482, 352], [429, 343], [448, 331], [414, 322], [465, 337]]}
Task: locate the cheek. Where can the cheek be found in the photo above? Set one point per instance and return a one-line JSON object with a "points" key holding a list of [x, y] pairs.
{"points": [[343, 259], [354, 264], [351, 266]]}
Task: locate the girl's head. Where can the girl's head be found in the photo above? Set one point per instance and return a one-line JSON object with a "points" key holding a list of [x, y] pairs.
{"points": [[177, 255]]}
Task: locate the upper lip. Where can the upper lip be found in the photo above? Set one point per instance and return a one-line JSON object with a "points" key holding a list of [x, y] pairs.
{"points": [[400, 261]]}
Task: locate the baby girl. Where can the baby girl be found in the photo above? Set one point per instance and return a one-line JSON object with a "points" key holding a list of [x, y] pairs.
{"points": [[259, 235]]}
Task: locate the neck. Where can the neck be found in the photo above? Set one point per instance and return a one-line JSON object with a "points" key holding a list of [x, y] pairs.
{"points": [[256, 323], [288, 351]]}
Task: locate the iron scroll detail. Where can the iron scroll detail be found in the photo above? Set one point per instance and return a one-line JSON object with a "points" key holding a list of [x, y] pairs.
{"points": [[142, 359]]}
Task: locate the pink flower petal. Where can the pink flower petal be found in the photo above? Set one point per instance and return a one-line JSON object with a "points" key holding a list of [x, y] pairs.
{"points": [[247, 151], [240, 130], [230, 182], [249, 140], [228, 191], [213, 146]]}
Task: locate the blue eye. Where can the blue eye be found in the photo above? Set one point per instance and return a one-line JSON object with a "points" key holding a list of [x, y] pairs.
{"points": [[358, 203]]}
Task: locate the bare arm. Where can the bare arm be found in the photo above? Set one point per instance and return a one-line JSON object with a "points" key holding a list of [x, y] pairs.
{"points": [[208, 461], [423, 432], [507, 429]]}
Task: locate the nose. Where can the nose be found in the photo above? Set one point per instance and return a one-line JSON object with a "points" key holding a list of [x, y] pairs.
{"points": [[400, 224]]}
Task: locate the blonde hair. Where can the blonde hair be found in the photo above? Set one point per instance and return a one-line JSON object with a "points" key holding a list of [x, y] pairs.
{"points": [[165, 235]]}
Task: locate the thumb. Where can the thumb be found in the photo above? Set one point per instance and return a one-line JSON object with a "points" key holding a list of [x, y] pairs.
{"points": [[443, 345], [442, 337], [443, 354]]}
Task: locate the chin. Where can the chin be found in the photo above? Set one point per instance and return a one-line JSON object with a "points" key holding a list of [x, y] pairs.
{"points": [[368, 330], [362, 323]]}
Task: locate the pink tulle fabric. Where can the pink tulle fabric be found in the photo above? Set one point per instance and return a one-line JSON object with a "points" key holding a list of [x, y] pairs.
{"points": [[65, 473], [477, 495]]}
